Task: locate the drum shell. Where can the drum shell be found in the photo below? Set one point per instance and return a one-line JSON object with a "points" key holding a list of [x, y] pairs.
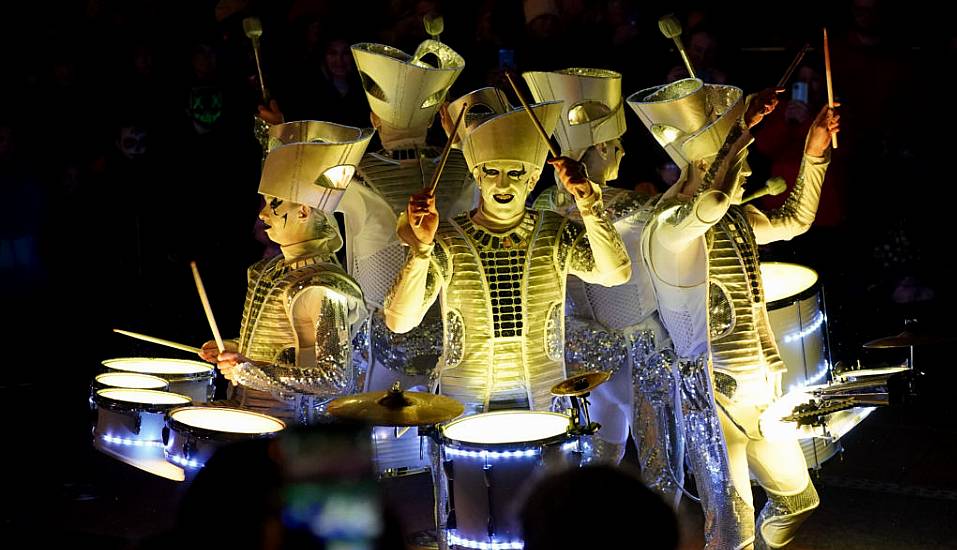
{"points": [[198, 386], [800, 331], [393, 457], [192, 447], [134, 422]]}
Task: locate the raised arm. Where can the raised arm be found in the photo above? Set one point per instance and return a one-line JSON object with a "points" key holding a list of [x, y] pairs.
{"points": [[418, 283], [797, 213], [600, 257]]}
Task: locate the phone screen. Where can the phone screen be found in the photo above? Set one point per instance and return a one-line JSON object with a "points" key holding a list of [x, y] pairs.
{"points": [[330, 498]]}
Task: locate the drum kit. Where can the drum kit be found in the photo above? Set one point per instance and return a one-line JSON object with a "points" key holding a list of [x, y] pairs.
{"points": [[155, 414], [822, 402], [485, 460]]}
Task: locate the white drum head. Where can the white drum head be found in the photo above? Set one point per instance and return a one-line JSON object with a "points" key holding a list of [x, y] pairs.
{"points": [[783, 280], [507, 427], [150, 365], [131, 380], [147, 397], [222, 419]]}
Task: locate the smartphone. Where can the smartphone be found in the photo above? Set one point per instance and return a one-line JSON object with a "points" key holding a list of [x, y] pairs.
{"points": [[799, 91], [330, 498]]}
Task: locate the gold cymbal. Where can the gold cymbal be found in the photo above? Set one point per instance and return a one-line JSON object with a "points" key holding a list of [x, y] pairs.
{"points": [[581, 384], [906, 339], [396, 408]]}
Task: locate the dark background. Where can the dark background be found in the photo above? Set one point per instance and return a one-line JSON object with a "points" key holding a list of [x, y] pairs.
{"points": [[94, 240]]}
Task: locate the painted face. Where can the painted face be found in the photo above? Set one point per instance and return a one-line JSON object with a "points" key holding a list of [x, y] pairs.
{"points": [[282, 222], [505, 186], [132, 142]]}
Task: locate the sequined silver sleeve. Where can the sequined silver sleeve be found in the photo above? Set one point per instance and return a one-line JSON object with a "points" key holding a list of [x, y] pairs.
{"points": [[331, 373], [598, 255], [261, 131], [796, 215]]}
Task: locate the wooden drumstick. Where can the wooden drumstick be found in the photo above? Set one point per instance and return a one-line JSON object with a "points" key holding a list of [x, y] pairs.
{"points": [[207, 308], [253, 29], [830, 87], [538, 125], [445, 156], [793, 65], [160, 341]]}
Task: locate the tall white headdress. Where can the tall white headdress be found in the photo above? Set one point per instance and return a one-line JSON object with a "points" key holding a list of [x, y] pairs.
{"points": [[405, 90], [593, 113], [311, 162]]}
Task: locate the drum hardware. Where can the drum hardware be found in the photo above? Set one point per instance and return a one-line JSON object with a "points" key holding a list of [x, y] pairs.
{"points": [[577, 389], [869, 391], [396, 407]]}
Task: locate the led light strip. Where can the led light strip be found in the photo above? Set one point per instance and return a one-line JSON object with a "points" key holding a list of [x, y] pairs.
{"points": [[182, 461], [130, 442], [494, 455], [818, 320], [469, 543], [818, 376]]}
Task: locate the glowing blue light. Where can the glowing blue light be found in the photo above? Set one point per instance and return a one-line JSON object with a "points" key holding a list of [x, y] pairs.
{"points": [[815, 324], [115, 440], [497, 545], [492, 455], [191, 463]]}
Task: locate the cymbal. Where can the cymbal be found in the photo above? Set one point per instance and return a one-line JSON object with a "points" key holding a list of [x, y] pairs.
{"points": [[396, 408], [581, 384], [906, 339]]}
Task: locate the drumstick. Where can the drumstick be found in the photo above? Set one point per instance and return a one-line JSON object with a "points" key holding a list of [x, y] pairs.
{"points": [[445, 156], [159, 341], [538, 125], [830, 87], [793, 65], [207, 308]]}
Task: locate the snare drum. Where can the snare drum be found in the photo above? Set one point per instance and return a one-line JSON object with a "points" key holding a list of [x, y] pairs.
{"points": [[487, 459], [192, 378], [193, 434], [128, 417]]}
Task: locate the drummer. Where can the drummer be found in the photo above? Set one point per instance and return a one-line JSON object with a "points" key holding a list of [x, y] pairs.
{"points": [[293, 354], [501, 269], [702, 248]]}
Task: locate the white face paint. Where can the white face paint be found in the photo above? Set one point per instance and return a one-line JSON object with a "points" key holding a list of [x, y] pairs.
{"points": [[504, 186], [284, 225]]}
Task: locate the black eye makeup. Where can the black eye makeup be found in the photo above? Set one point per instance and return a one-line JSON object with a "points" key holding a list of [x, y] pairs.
{"points": [[274, 204]]}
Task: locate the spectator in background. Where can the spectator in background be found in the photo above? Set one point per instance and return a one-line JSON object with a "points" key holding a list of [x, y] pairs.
{"points": [[702, 47], [551, 515]]}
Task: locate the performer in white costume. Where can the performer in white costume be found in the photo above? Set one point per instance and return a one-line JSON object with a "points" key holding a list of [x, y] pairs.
{"points": [[294, 354], [500, 269], [614, 328], [701, 249], [404, 94]]}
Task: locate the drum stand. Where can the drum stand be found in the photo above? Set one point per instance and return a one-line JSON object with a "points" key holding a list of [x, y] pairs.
{"points": [[580, 416]]}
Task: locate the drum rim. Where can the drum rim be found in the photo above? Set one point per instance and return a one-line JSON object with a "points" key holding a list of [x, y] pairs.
{"points": [[815, 288], [209, 374], [109, 403], [97, 385], [516, 445], [196, 432]]}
